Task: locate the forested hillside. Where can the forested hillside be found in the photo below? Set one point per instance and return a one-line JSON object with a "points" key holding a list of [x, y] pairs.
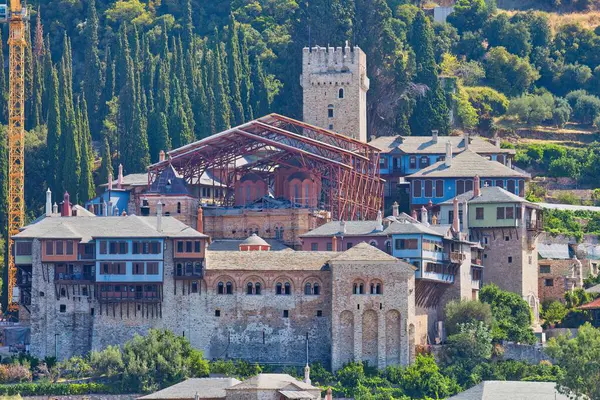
{"points": [[112, 82]]}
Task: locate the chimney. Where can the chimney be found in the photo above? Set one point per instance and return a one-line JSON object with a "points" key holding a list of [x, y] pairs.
{"points": [[105, 208], [307, 375], [465, 219], [161, 156], [455, 222], [124, 213], [448, 154], [110, 181], [509, 162], [48, 202], [159, 216], [120, 178], [497, 142], [434, 135], [343, 227], [379, 226], [434, 220], [55, 208], [476, 186], [334, 243], [414, 214], [110, 209], [395, 211], [329, 395], [424, 216], [466, 140], [200, 220], [66, 206], [116, 213]]}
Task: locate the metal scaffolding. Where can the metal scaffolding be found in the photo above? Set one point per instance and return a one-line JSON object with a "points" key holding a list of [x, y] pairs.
{"points": [[352, 188]]}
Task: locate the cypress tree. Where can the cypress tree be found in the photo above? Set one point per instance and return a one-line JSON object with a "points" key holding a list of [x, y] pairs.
{"points": [[163, 97], [188, 26], [92, 84], [222, 110], [108, 91], [37, 113], [53, 138], [260, 94], [179, 124], [86, 180], [235, 72], [48, 65], [202, 108], [106, 165], [210, 97], [148, 74], [246, 87], [431, 109], [158, 135]]}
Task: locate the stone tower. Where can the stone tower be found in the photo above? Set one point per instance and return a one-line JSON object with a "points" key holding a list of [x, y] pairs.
{"points": [[335, 84]]}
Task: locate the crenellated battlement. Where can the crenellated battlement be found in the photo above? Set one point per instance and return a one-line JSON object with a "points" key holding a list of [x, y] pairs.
{"points": [[333, 58]]}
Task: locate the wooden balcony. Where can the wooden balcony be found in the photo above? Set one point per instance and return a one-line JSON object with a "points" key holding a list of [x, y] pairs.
{"points": [[457, 257]]}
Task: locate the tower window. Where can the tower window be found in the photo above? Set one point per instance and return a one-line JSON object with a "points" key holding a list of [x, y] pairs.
{"points": [[330, 111], [341, 93]]}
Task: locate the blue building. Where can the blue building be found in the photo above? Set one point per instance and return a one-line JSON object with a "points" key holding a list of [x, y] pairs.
{"points": [[454, 176]]}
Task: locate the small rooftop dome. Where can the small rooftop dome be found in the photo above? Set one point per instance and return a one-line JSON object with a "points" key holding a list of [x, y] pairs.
{"points": [[255, 243], [251, 176]]}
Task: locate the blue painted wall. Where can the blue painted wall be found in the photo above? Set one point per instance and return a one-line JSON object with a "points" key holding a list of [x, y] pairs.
{"points": [[120, 199], [129, 258]]}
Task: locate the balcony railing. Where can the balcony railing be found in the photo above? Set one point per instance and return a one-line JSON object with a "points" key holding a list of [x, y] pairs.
{"points": [[78, 277], [536, 225], [456, 257], [127, 296]]}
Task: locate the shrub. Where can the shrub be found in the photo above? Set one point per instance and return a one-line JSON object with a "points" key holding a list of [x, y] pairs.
{"points": [[461, 312], [565, 167], [509, 73], [573, 96], [56, 389], [561, 112], [466, 349], [554, 312], [532, 109], [586, 109], [11, 373]]}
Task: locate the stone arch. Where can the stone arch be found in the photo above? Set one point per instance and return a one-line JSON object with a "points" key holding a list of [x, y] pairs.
{"points": [[254, 279], [534, 303], [370, 336], [376, 286], [283, 280], [346, 337], [392, 337], [224, 279]]}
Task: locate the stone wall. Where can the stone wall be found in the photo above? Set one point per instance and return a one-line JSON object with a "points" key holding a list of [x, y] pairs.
{"points": [[533, 354], [378, 329]]}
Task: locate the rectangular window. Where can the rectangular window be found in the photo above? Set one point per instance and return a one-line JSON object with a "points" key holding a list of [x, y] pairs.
{"points": [[519, 212], [423, 162], [548, 282], [510, 213], [105, 270], [417, 188], [23, 248], [330, 112], [479, 213], [180, 247], [138, 268], [487, 183], [197, 246], [500, 183], [460, 187], [103, 247], [188, 246], [412, 162], [119, 269], [135, 248], [314, 246], [194, 286], [112, 248], [49, 248], [521, 188], [428, 188], [407, 244], [329, 246], [468, 186], [155, 247], [499, 212], [59, 247], [439, 188], [349, 245], [286, 313], [69, 247], [152, 268], [544, 269], [511, 186], [123, 248], [510, 259]]}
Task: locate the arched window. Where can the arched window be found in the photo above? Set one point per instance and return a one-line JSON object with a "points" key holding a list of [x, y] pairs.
{"points": [[220, 288], [361, 288], [307, 289], [372, 288], [229, 287], [288, 288], [279, 288], [197, 268], [373, 243], [257, 288], [388, 247], [316, 289], [330, 111], [179, 269], [379, 289], [178, 207], [341, 93], [355, 289], [249, 288], [188, 268]]}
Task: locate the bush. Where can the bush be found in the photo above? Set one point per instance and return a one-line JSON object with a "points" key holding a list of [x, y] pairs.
{"points": [[11, 373], [532, 109], [466, 349], [461, 312], [508, 73], [586, 109], [554, 312], [512, 315], [566, 167], [56, 389], [561, 112], [573, 96]]}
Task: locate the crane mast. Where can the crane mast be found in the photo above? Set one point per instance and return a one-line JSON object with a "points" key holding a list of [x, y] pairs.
{"points": [[16, 15]]}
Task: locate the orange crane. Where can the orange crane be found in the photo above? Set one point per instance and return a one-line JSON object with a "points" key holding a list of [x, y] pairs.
{"points": [[16, 15]]}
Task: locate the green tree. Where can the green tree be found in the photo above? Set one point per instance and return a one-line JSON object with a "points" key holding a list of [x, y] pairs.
{"points": [[235, 72], [260, 93], [586, 109], [514, 37], [512, 315], [532, 109], [469, 15], [464, 350], [53, 138], [158, 135], [106, 167], [222, 109], [423, 379], [462, 312], [86, 183], [509, 73], [579, 359], [431, 110], [246, 87], [92, 83], [554, 312]]}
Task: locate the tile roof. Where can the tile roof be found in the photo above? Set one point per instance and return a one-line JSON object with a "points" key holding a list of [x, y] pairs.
{"points": [[490, 194], [202, 388], [593, 289], [273, 382], [426, 145], [511, 390], [368, 228], [554, 251], [467, 164], [88, 228], [593, 305], [364, 252], [569, 207], [268, 260], [131, 180], [300, 394]]}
